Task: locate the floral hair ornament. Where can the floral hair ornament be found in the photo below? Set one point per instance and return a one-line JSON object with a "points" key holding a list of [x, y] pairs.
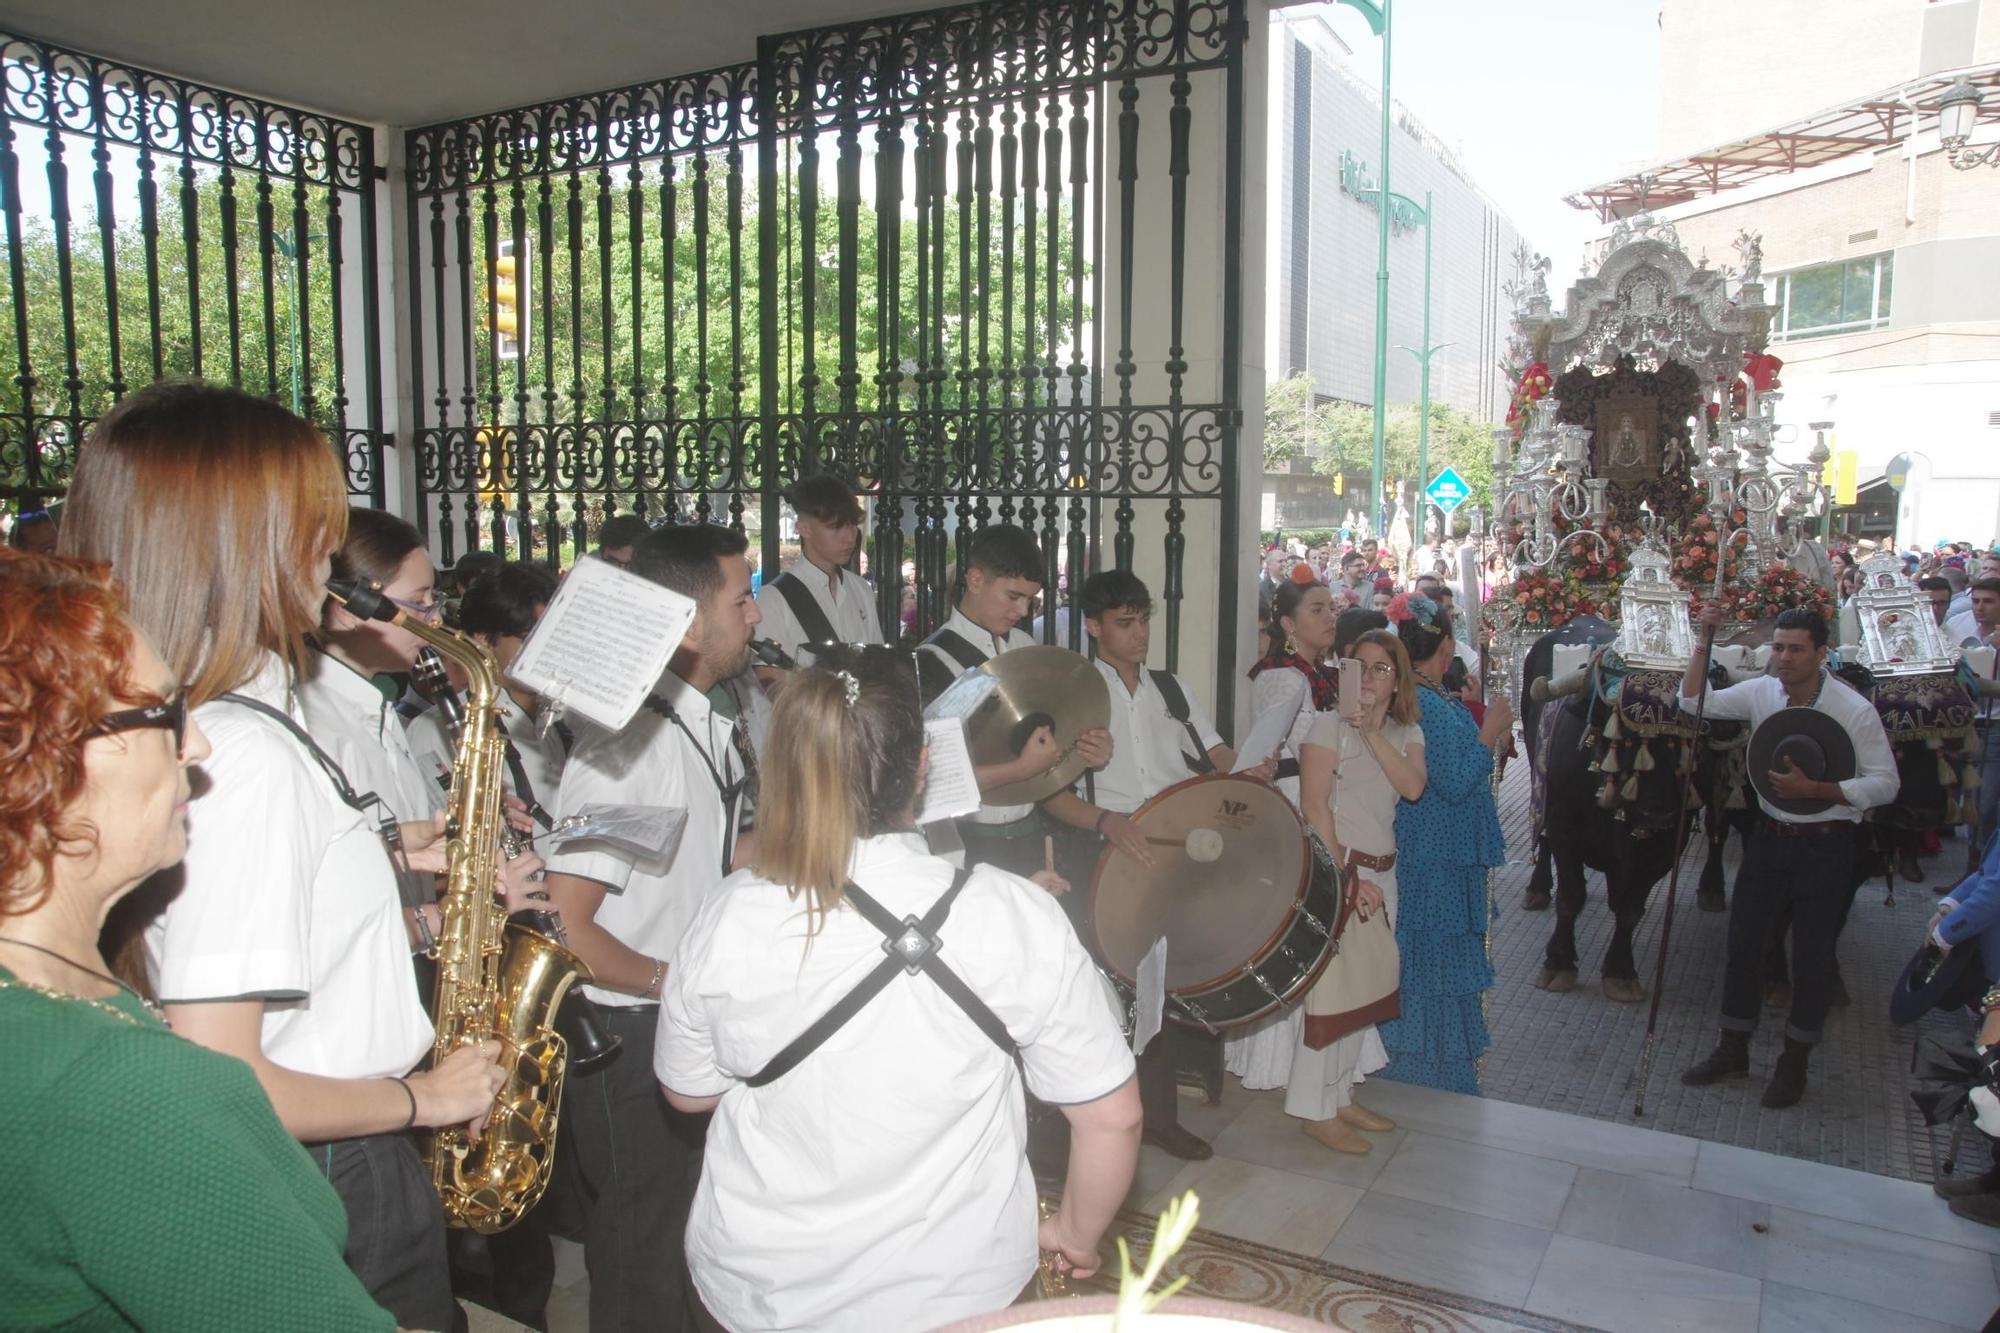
{"points": [[851, 685], [1407, 606], [1303, 573]]}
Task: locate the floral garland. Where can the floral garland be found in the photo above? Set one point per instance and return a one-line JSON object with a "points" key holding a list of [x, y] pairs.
{"points": [[1545, 600], [1534, 384], [1694, 559], [1777, 590]]}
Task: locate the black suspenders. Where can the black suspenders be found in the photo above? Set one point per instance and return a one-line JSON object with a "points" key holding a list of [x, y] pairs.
{"points": [[912, 946]]}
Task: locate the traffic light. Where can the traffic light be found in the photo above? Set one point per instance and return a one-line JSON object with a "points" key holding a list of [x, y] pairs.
{"points": [[1340, 483], [508, 318]]}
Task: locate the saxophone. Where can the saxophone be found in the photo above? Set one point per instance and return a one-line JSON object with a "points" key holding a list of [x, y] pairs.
{"points": [[496, 980]]}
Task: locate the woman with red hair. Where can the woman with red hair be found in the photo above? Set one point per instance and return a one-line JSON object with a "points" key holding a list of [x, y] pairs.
{"points": [[149, 1183]]}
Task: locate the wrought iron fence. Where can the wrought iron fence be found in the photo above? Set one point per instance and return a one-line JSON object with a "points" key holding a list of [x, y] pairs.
{"points": [[158, 227], [899, 249]]}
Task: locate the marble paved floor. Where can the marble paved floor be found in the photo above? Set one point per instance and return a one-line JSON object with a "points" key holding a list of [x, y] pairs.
{"points": [[1605, 1225], [1611, 1226]]}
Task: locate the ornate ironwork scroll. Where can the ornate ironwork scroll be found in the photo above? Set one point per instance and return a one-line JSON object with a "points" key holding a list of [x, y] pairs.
{"points": [[883, 249], [159, 227]]}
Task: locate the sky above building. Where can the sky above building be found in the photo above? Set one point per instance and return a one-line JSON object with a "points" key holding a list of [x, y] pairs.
{"points": [[1538, 98]]}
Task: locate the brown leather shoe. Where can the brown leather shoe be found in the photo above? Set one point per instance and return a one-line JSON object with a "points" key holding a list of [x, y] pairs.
{"points": [[1359, 1116], [1175, 1141]]}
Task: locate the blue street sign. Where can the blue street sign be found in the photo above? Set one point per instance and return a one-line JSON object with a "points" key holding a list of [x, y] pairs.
{"points": [[1448, 490]]}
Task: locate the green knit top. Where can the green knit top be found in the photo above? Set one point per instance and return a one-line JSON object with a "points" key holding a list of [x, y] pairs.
{"points": [[149, 1184]]}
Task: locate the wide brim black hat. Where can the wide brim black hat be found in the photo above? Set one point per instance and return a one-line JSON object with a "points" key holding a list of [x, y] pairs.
{"points": [[1934, 979], [1817, 745]]}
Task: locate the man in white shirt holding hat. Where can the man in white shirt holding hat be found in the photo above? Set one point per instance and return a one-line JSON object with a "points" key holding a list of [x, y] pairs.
{"points": [[1802, 854]]}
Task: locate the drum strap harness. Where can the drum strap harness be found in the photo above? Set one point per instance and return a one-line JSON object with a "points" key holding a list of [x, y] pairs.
{"points": [[912, 946], [805, 608], [953, 645]]}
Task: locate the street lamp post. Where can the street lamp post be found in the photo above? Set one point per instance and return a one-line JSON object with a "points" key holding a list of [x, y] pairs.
{"points": [[1423, 355], [1378, 22]]}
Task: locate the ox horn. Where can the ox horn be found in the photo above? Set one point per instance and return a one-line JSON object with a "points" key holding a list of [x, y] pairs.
{"points": [[1546, 688]]}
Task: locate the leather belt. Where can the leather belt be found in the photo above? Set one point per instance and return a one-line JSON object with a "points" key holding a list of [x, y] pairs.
{"points": [[1367, 862], [1817, 828]]}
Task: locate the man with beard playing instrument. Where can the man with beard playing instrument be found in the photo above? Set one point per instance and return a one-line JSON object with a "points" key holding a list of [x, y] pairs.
{"points": [[638, 1160]]}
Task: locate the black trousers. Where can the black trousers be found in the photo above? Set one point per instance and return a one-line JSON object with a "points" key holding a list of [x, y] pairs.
{"points": [[637, 1164], [1015, 847], [1159, 1063], [395, 1226], [1808, 874]]}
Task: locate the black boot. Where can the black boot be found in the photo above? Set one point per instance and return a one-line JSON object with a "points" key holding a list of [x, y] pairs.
{"points": [[1729, 1059], [1788, 1080], [1965, 1187], [1981, 1208]]}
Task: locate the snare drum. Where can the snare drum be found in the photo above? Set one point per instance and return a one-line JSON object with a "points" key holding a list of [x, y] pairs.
{"points": [[1247, 897]]}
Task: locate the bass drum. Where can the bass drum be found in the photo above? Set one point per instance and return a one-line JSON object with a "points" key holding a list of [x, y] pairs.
{"points": [[1246, 895]]}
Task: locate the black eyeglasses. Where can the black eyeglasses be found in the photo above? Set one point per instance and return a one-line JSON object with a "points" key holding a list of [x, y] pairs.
{"points": [[172, 715]]}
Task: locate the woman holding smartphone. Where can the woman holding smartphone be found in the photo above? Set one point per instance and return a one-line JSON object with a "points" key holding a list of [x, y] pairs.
{"points": [[1354, 767]]}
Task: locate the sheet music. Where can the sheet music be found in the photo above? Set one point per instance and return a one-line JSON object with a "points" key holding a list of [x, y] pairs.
{"points": [[1152, 996], [951, 787], [651, 831], [604, 642], [963, 696], [1273, 725]]}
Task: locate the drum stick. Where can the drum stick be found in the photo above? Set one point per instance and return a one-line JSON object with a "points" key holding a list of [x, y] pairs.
{"points": [[1049, 853]]}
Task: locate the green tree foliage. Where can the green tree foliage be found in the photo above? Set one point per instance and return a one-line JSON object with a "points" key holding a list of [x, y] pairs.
{"points": [[1339, 437], [257, 356]]}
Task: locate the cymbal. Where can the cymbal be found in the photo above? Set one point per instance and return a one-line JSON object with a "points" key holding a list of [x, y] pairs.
{"points": [[1039, 686], [1230, 856]]}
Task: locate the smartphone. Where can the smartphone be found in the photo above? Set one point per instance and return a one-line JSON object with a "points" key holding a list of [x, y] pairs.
{"points": [[1350, 687]]}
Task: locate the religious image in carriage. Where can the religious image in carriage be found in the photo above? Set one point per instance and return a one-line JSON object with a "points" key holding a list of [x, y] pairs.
{"points": [[1638, 481]]}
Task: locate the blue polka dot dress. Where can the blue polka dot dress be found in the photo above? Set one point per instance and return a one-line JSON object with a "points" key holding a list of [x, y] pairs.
{"points": [[1445, 842]]}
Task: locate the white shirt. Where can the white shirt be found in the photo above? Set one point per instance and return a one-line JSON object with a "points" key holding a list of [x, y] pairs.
{"points": [[1875, 781], [882, 1183], [1269, 690], [542, 757], [848, 605], [356, 724], [1960, 628], [648, 903], [992, 645], [289, 897], [1148, 747]]}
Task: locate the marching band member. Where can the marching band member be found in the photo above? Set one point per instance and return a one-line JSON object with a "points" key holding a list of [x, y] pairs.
{"points": [[1159, 736], [819, 600], [1796, 860], [349, 693], [500, 611], [286, 946], [637, 1158], [1002, 578], [825, 1204], [149, 1183]]}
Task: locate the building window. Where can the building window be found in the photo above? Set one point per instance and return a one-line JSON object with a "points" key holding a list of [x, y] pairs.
{"points": [[1833, 298]]}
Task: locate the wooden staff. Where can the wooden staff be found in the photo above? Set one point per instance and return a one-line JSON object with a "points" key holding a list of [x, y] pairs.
{"points": [[1688, 764]]}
